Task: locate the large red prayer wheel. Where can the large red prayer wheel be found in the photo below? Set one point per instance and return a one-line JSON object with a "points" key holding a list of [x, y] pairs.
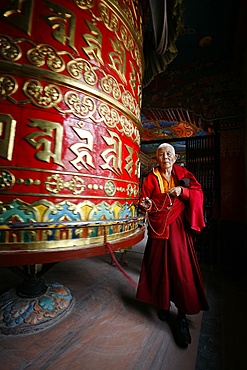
{"points": [[70, 88]]}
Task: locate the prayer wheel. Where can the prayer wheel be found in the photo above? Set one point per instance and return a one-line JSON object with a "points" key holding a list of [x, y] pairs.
{"points": [[70, 79]]}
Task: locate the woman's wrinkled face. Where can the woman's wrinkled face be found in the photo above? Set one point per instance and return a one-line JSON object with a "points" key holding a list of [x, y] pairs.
{"points": [[166, 157]]}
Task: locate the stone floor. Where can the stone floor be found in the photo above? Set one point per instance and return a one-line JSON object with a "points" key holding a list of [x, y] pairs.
{"points": [[108, 329]]}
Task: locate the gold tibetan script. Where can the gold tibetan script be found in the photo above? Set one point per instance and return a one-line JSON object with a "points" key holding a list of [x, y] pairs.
{"points": [[19, 14], [94, 42], [129, 160], [113, 155], [50, 137], [82, 149], [118, 59], [7, 136], [62, 22]]}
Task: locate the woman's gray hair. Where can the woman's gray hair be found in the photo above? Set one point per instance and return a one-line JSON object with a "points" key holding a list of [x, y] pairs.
{"points": [[164, 145]]}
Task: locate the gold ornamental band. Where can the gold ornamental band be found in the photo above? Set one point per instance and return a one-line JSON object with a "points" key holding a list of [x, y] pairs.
{"points": [[61, 245], [64, 196], [23, 70], [133, 226], [67, 173]]}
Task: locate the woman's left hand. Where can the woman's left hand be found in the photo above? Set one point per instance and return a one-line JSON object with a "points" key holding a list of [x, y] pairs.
{"points": [[176, 191]]}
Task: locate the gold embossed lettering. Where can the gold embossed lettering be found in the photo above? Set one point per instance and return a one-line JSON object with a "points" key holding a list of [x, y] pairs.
{"points": [[112, 155], [82, 149], [138, 168], [49, 140], [62, 21], [129, 160], [94, 42], [7, 136], [118, 59], [19, 14], [133, 78]]}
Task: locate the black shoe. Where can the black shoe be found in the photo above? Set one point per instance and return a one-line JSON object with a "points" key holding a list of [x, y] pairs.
{"points": [[163, 315], [182, 333]]}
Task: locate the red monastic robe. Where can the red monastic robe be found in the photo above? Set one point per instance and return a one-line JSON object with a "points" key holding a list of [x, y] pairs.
{"points": [[170, 271]]}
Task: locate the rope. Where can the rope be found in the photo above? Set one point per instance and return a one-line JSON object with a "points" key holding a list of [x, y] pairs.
{"points": [[132, 282]]}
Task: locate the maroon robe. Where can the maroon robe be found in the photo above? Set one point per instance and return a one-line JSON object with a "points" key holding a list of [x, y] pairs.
{"points": [[170, 271]]}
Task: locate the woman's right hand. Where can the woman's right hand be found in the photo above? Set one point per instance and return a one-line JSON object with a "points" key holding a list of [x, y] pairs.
{"points": [[145, 203]]}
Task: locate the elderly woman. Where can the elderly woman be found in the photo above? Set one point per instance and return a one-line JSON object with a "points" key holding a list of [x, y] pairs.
{"points": [[173, 201]]}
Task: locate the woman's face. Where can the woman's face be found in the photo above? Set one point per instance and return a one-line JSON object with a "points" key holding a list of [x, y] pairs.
{"points": [[166, 157]]}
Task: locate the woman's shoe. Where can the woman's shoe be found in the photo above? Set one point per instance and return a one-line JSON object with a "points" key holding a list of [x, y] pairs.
{"points": [[182, 332]]}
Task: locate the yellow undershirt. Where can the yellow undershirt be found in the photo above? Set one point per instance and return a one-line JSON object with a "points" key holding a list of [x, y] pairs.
{"points": [[164, 184]]}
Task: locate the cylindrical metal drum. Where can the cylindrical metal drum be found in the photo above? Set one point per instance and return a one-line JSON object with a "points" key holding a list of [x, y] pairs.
{"points": [[70, 90]]}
